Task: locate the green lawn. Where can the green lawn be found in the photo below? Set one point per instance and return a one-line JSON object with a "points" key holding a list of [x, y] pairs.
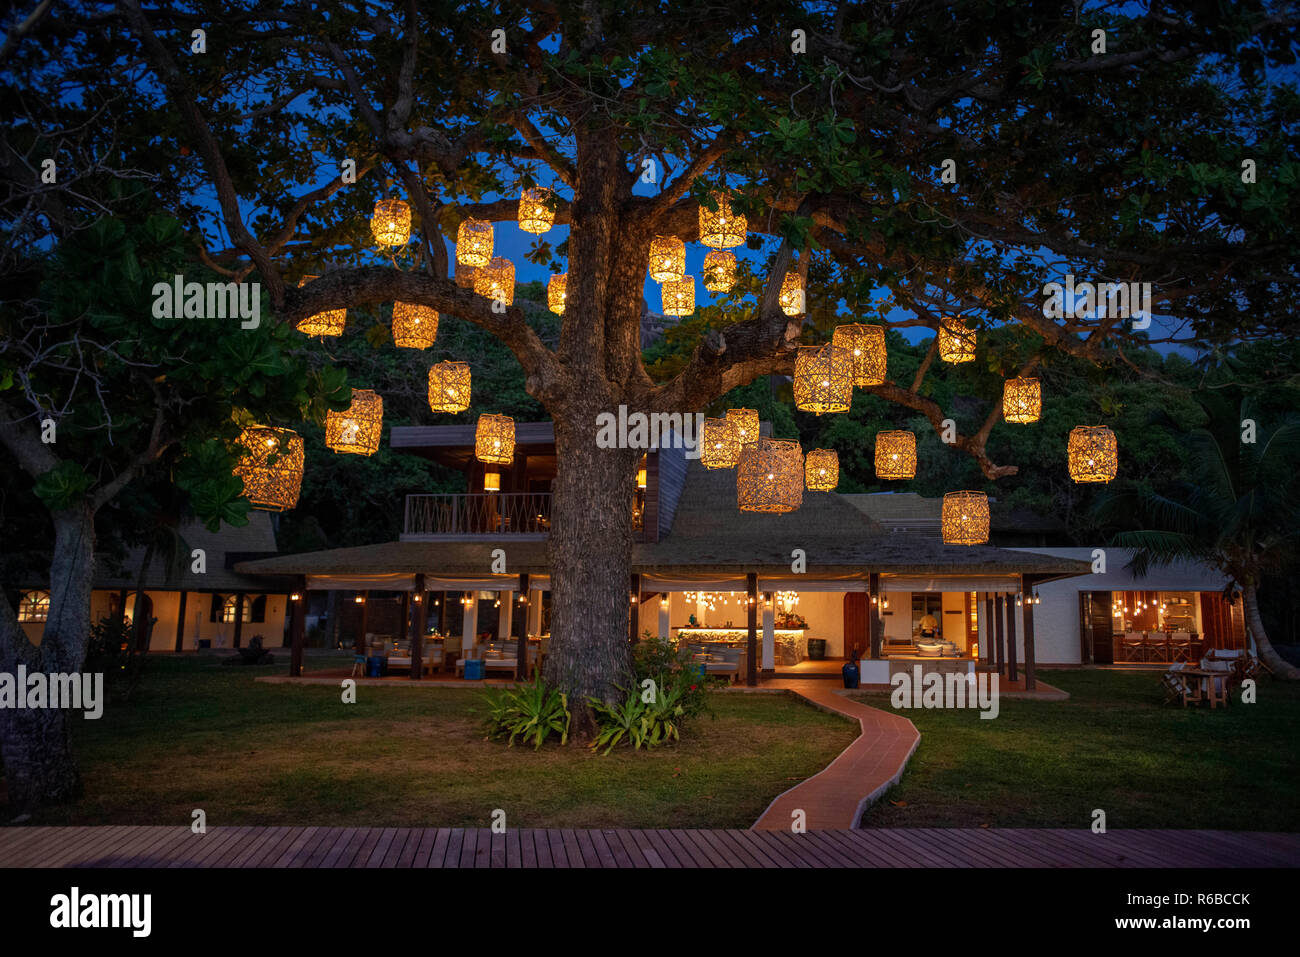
{"points": [[1112, 746], [201, 735]]}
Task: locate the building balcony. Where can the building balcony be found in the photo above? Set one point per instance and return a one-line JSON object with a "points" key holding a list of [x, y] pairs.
{"points": [[451, 517]]}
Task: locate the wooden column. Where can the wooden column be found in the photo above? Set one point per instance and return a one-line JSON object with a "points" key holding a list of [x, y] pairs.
{"points": [[521, 657], [634, 609], [442, 614], [1027, 590], [999, 645], [121, 607], [989, 628], [751, 656], [874, 621], [297, 628], [1011, 638], [239, 618], [421, 618], [180, 621], [362, 646]]}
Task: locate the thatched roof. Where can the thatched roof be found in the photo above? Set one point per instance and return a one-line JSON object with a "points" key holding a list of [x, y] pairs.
{"points": [[222, 550], [407, 558]]}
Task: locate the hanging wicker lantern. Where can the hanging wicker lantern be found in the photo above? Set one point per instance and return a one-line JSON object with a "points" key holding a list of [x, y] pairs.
{"points": [[956, 342], [792, 301], [271, 468], [965, 518], [449, 387], [719, 270], [494, 439], [492, 482], [391, 222], [556, 290], [1093, 454], [678, 296], [414, 326], [867, 346], [719, 444], [823, 379], [496, 280], [895, 455], [821, 470], [465, 275], [357, 429], [746, 424], [769, 476], [1022, 400], [328, 323], [474, 243], [535, 212], [721, 229], [667, 258]]}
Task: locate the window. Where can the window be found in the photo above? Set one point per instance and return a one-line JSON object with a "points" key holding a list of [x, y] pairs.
{"points": [[230, 603], [34, 606]]}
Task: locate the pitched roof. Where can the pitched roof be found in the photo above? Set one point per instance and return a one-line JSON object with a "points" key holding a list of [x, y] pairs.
{"points": [[222, 549], [407, 558]]}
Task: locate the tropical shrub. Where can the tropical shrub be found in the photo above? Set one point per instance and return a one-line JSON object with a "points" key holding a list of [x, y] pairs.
{"points": [[658, 660], [642, 719], [531, 712]]}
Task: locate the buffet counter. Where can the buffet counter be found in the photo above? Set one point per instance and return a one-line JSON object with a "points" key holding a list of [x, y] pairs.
{"points": [[791, 646]]}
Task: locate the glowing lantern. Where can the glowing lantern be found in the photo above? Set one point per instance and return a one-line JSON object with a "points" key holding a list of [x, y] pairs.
{"points": [[965, 518], [474, 243], [1022, 400], [391, 222], [465, 275], [746, 423], [1093, 453], [721, 229], [492, 482], [719, 270], [895, 455], [271, 467], [956, 342], [867, 346], [535, 212], [449, 387], [667, 258], [356, 430], [414, 326], [821, 470], [556, 291], [496, 280], [494, 439], [678, 296], [823, 379], [719, 444], [792, 303], [769, 476], [328, 323]]}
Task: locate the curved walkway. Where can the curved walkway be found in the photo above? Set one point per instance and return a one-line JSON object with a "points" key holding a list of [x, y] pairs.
{"points": [[833, 799]]}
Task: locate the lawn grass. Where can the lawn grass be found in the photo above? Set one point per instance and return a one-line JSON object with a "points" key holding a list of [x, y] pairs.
{"points": [[1112, 746], [201, 735]]}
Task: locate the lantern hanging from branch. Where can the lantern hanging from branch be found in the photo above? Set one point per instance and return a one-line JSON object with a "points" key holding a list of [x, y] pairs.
{"points": [[271, 467], [956, 342], [867, 346], [391, 222], [535, 212], [474, 242], [769, 476], [719, 444], [492, 482], [328, 323], [449, 387], [667, 258], [556, 291], [1022, 400], [496, 280], [414, 326], [792, 299], [721, 228], [965, 518], [719, 270], [895, 455], [465, 275], [494, 439], [821, 470], [746, 424], [678, 296], [823, 379], [1093, 453], [356, 430]]}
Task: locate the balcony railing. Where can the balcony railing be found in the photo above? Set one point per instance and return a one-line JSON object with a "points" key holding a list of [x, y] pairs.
{"points": [[478, 514]]}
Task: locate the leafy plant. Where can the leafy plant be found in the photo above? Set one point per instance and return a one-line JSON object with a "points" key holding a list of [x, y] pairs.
{"points": [[669, 667], [641, 719], [532, 712]]}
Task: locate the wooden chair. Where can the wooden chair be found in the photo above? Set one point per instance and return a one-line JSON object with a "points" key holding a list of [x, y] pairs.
{"points": [[1180, 643], [1156, 646], [1133, 646], [1177, 687], [1218, 690]]}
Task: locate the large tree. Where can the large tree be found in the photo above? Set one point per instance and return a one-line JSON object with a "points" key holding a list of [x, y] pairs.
{"points": [[1117, 156]]}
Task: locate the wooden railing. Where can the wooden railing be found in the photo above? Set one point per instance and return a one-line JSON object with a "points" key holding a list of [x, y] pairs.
{"points": [[481, 513]]}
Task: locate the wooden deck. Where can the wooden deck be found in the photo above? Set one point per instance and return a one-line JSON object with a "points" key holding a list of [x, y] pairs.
{"points": [[124, 847]]}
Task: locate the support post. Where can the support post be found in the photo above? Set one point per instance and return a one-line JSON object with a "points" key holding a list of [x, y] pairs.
{"points": [[990, 643], [769, 633], [634, 609], [999, 622], [1011, 638], [521, 656], [665, 613], [421, 618], [874, 620], [180, 621], [442, 613], [239, 618], [297, 628], [751, 656], [1027, 590]]}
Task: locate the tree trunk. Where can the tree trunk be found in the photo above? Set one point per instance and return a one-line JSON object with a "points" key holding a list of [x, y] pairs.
{"points": [[1280, 667], [38, 763]]}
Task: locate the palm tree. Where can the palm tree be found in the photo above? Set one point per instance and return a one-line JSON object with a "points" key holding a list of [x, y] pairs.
{"points": [[1235, 509]]}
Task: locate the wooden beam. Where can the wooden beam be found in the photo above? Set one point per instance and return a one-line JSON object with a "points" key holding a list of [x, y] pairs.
{"points": [[239, 618], [442, 614], [634, 608], [363, 648], [751, 657], [999, 621], [1012, 674], [874, 621], [988, 628], [1027, 589], [297, 628], [180, 621], [521, 656], [417, 638]]}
